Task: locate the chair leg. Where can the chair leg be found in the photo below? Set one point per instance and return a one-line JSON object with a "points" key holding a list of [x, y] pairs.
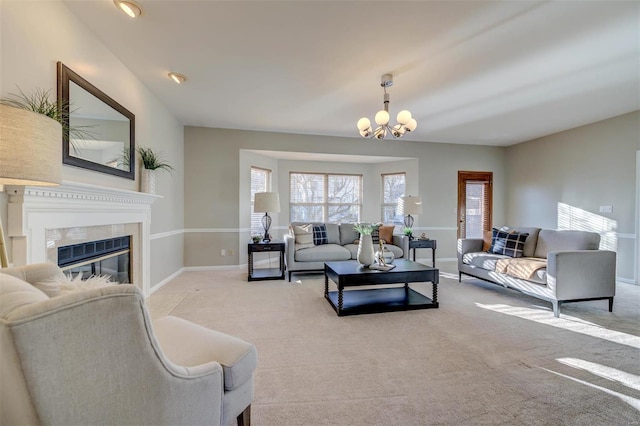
{"points": [[459, 276], [611, 304], [244, 419], [556, 309]]}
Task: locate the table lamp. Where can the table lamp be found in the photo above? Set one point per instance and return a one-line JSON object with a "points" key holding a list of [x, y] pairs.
{"points": [[266, 202], [30, 153], [409, 206]]}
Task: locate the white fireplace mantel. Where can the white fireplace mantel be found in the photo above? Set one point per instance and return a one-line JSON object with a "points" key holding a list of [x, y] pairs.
{"points": [[34, 210]]}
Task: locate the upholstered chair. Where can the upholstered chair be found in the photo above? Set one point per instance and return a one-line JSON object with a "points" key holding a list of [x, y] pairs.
{"points": [[94, 357]]}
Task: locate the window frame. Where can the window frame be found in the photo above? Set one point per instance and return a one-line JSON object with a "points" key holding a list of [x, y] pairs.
{"points": [[384, 204], [325, 204]]}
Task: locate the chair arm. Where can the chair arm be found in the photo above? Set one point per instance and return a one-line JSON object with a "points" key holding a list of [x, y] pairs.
{"points": [[581, 274], [402, 241], [289, 250], [198, 349]]}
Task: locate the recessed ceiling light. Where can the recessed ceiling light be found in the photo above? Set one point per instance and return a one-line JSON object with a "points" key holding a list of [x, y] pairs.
{"points": [[178, 78], [130, 7]]}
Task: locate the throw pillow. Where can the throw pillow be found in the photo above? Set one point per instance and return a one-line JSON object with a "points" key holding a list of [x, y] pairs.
{"points": [[509, 243], [303, 236], [487, 240], [386, 233], [320, 235], [375, 236]]}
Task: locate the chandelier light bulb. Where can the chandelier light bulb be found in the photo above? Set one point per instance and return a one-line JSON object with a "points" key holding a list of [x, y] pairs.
{"points": [[398, 130], [411, 125], [382, 117], [404, 117], [363, 124]]}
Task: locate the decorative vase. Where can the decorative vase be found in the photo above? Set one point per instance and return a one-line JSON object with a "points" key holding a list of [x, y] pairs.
{"points": [[386, 255], [148, 181], [365, 255]]}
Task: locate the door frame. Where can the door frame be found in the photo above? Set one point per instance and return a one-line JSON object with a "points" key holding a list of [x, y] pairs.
{"points": [[477, 176]]}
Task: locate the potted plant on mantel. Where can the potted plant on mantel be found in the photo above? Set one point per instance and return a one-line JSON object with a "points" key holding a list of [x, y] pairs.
{"points": [[150, 163]]}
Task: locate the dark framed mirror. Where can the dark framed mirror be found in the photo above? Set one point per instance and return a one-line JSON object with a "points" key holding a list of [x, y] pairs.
{"points": [[98, 132]]}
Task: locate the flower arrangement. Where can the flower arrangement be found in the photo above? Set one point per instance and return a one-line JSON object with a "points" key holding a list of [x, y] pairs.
{"points": [[256, 238], [365, 228]]}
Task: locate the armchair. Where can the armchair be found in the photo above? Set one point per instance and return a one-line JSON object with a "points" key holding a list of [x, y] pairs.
{"points": [[94, 357]]}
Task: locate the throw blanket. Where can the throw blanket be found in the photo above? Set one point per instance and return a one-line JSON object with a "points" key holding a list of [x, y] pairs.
{"points": [[522, 267]]}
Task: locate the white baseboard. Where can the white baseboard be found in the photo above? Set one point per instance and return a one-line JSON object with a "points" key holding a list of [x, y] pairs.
{"points": [[165, 281]]}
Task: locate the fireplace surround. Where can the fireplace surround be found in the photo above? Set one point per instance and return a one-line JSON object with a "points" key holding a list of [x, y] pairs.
{"points": [[42, 219]]}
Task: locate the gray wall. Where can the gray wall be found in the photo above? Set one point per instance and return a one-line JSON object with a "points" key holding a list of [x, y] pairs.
{"points": [[216, 167], [561, 180], [34, 35]]}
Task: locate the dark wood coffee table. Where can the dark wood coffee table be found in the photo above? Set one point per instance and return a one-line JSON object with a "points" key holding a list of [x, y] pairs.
{"points": [[380, 299]]}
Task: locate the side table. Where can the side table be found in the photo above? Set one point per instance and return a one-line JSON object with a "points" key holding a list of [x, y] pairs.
{"points": [[416, 244], [260, 274]]}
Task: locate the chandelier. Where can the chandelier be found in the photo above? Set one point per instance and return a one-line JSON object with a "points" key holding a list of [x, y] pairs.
{"points": [[406, 123]]}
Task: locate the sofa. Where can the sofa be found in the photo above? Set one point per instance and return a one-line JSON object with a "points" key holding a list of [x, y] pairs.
{"points": [[340, 245], [95, 357], [556, 266]]}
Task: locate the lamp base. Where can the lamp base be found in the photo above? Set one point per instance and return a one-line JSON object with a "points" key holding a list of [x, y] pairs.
{"points": [[266, 224]]}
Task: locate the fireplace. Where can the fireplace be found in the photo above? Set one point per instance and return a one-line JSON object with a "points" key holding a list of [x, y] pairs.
{"points": [[110, 257], [42, 220]]}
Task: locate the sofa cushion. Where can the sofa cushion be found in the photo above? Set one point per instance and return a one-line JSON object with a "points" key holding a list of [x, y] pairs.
{"points": [[322, 253], [333, 233], [550, 240], [347, 234], [397, 251], [488, 261], [353, 250], [483, 260], [320, 234], [303, 236], [508, 243]]}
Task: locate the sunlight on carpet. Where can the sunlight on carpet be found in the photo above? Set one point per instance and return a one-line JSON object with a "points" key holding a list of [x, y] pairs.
{"points": [[565, 322]]}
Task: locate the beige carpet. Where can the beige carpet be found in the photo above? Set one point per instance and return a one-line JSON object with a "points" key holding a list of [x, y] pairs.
{"points": [[488, 355]]}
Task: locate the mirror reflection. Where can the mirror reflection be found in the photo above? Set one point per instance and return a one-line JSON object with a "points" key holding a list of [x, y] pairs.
{"points": [[99, 133], [106, 131]]}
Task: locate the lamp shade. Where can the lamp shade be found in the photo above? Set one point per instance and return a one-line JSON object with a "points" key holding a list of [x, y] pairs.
{"points": [[30, 148], [410, 205], [266, 202]]}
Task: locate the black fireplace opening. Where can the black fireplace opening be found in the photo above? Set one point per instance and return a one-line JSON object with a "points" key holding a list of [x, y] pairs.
{"points": [[110, 257]]}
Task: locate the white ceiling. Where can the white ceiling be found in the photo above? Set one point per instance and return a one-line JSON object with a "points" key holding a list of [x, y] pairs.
{"points": [[474, 72]]}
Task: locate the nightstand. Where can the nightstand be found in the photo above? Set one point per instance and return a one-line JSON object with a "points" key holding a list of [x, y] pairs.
{"points": [[416, 244], [260, 274]]}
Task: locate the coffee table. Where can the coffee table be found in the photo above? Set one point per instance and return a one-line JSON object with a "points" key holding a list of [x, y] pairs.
{"points": [[379, 299]]}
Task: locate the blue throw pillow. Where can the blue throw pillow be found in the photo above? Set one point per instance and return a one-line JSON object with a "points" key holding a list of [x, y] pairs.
{"points": [[320, 235], [507, 244]]}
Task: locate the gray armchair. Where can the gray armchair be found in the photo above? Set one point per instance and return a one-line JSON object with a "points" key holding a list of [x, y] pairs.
{"points": [[94, 357]]}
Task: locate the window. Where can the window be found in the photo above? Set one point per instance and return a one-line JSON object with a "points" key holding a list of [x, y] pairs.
{"points": [[322, 197], [260, 182], [393, 187]]}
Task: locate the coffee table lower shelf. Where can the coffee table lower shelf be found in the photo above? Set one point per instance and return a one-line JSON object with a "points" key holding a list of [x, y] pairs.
{"points": [[373, 301]]}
